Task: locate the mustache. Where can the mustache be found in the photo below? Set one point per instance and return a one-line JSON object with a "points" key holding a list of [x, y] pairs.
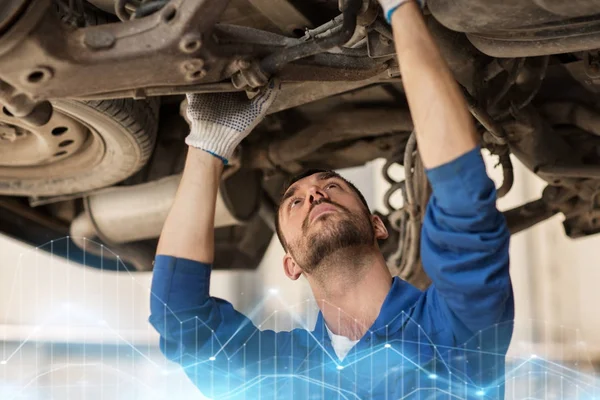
{"points": [[319, 202]]}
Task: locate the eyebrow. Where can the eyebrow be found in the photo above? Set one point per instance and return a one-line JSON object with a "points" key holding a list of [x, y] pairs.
{"points": [[322, 176], [289, 193]]}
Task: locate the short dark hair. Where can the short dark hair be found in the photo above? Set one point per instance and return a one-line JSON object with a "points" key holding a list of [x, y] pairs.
{"points": [[303, 175]]}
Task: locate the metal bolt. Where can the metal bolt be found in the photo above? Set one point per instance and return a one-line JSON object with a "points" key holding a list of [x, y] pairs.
{"points": [[193, 69], [243, 64], [99, 40], [192, 65], [239, 81]]}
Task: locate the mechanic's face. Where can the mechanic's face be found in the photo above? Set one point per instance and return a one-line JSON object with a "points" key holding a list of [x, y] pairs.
{"points": [[321, 215]]}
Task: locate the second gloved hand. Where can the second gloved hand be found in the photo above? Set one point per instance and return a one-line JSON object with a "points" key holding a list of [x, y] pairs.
{"points": [[389, 6], [220, 121]]}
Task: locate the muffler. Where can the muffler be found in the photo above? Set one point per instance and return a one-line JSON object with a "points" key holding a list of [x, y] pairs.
{"points": [[133, 213]]}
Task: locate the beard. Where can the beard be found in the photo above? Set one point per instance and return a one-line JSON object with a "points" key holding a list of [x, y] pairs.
{"points": [[342, 234]]}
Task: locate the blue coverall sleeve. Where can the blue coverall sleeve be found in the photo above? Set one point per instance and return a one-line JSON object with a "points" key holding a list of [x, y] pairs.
{"points": [[218, 347], [464, 248]]}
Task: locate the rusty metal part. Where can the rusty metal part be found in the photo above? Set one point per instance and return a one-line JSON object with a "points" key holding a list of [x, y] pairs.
{"points": [[569, 171], [405, 223], [566, 112], [380, 45], [249, 76], [19, 105], [536, 144], [143, 93], [115, 53], [529, 84], [522, 28], [486, 120], [349, 124], [63, 60], [276, 61], [574, 37], [527, 215], [408, 255], [336, 72], [554, 200], [294, 94], [59, 138], [544, 151], [508, 176], [513, 73]]}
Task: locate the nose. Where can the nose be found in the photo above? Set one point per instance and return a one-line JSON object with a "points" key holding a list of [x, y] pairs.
{"points": [[315, 193]]}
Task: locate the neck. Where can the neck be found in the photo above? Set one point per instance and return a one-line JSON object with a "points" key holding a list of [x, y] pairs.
{"points": [[351, 293]]}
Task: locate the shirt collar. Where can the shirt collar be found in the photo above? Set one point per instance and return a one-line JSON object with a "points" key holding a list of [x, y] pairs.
{"points": [[392, 316]]}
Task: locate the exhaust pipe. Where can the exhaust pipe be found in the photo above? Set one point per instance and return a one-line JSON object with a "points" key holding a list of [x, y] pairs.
{"points": [[123, 217], [132, 213]]}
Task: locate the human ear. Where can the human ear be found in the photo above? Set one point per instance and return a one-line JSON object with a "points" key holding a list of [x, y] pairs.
{"points": [[291, 268], [379, 228]]}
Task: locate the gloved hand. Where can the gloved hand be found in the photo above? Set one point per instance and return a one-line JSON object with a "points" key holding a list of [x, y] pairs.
{"points": [[389, 6], [220, 121]]}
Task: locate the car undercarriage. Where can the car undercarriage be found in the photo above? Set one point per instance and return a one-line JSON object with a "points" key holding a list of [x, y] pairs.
{"points": [[92, 128]]}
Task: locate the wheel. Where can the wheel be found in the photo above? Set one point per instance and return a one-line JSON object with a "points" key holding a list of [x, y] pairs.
{"points": [[84, 146]]}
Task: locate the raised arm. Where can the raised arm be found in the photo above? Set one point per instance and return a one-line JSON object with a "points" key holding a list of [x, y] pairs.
{"points": [[443, 125], [465, 241], [204, 334], [219, 122]]}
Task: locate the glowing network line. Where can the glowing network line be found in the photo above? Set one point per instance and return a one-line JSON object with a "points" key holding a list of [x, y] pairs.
{"points": [[548, 367]]}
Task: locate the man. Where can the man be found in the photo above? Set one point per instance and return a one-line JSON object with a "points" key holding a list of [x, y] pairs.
{"points": [[376, 336]]}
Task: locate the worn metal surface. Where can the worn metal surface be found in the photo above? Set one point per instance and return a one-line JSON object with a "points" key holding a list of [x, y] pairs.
{"points": [[493, 16], [65, 62], [536, 144], [283, 14], [175, 42], [522, 28], [578, 36], [179, 49], [350, 124]]}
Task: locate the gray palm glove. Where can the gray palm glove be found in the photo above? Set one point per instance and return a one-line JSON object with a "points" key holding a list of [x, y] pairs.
{"points": [[220, 121], [389, 6]]}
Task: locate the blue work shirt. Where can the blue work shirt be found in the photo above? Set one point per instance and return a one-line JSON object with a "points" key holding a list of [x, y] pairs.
{"points": [[448, 341]]}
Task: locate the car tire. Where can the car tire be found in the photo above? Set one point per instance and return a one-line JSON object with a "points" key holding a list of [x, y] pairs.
{"points": [[123, 132]]}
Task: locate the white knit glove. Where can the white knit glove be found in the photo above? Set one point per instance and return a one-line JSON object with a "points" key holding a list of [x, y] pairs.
{"points": [[220, 121], [389, 6]]}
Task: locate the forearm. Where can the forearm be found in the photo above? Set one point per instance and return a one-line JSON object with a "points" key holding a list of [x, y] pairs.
{"points": [[443, 125], [188, 231]]}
